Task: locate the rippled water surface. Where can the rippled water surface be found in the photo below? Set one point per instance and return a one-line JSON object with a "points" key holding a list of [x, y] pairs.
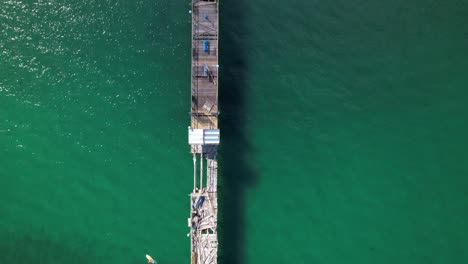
{"points": [[343, 131]]}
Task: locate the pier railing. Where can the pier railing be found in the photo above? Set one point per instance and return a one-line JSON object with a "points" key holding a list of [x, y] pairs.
{"points": [[203, 132]]}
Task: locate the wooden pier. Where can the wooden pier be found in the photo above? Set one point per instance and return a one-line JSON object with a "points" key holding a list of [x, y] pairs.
{"points": [[204, 134]]}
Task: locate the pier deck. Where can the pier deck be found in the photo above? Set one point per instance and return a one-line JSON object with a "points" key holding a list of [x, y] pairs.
{"points": [[204, 106], [204, 132]]}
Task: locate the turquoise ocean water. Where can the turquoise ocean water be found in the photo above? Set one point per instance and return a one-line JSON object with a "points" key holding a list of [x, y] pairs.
{"points": [[343, 131]]}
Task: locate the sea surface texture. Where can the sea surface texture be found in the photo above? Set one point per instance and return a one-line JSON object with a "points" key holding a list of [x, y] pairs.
{"points": [[344, 131]]}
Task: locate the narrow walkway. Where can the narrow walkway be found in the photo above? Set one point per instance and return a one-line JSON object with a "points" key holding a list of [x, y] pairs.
{"points": [[203, 132]]}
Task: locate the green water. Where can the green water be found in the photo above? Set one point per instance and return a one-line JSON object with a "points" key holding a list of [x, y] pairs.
{"points": [[343, 131]]}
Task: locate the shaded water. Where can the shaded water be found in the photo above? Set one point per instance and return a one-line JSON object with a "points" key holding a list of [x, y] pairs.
{"points": [[343, 131]]}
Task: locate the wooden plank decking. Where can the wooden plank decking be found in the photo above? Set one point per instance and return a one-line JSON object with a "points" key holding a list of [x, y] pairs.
{"points": [[204, 115], [204, 106]]}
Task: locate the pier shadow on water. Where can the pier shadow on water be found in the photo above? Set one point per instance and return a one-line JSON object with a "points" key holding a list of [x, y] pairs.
{"points": [[236, 174]]}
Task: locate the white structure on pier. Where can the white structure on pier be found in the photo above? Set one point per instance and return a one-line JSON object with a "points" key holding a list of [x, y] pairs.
{"points": [[203, 133]]}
